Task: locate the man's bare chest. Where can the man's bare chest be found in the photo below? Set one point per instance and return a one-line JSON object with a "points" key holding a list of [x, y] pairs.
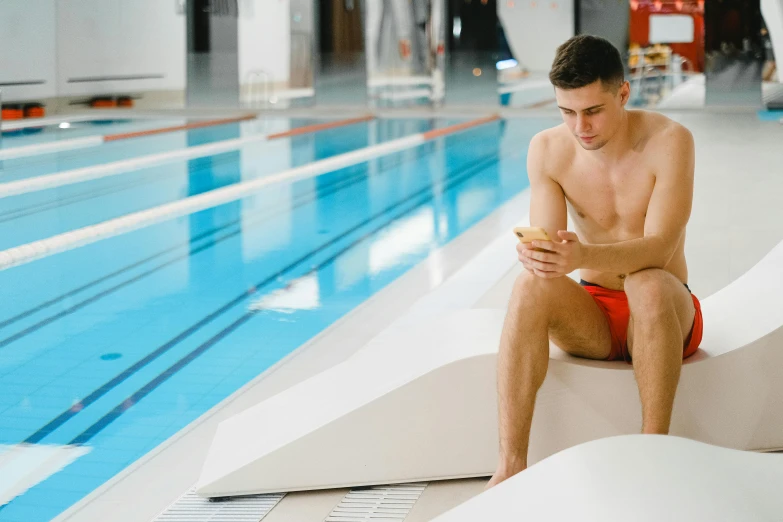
{"points": [[613, 202]]}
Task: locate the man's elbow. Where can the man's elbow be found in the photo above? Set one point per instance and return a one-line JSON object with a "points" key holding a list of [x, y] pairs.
{"points": [[662, 251]]}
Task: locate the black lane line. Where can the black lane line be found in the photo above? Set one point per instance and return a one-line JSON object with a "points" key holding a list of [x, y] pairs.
{"points": [[78, 306], [117, 272], [305, 199], [60, 203], [420, 198], [420, 153], [105, 388]]}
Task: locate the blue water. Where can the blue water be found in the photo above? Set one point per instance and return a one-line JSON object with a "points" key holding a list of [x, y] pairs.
{"points": [[770, 115], [57, 132], [37, 215], [31, 166], [120, 344]]}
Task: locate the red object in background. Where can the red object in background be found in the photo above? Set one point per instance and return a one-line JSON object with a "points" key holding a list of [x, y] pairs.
{"points": [[124, 101], [640, 27], [34, 110], [103, 102], [12, 112]]}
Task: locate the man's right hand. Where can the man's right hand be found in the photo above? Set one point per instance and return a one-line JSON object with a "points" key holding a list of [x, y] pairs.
{"points": [[523, 254], [521, 249]]}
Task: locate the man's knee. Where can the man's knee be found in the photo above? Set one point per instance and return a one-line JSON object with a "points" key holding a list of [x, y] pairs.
{"points": [[649, 292], [533, 292]]}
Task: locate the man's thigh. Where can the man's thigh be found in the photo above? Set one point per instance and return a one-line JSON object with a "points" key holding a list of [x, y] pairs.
{"points": [[674, 292], [577, 324]]}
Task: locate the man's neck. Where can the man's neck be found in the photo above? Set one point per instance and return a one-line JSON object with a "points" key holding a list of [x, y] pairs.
{"points": [[618, 145]]}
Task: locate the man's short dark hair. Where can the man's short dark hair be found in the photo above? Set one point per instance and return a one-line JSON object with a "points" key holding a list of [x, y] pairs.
{"points": [[584, 59]]}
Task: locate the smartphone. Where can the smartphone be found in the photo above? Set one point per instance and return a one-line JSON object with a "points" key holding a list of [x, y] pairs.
{"points": [[528, 234]]}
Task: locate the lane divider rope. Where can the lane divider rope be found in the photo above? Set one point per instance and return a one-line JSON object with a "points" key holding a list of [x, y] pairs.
{"points": [[76, 238], [24, 186]]}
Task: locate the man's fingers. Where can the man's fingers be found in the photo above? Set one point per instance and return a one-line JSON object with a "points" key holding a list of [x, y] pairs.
{"points": [[547, 245], [527, 265], [544, 267], [546, 275], [545, 257], [565, 235]]}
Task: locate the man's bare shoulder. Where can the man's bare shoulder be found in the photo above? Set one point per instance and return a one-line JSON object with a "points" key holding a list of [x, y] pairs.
{"points": [[666, 146], [550, 150], [657, 133]]}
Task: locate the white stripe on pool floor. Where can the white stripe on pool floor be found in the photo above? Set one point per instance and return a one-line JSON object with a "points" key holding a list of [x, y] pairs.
{"points": [[22, 466]]}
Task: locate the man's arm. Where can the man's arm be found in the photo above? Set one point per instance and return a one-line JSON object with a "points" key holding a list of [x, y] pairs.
{"points": [[547, 204], [667, 214], [547, 199]]}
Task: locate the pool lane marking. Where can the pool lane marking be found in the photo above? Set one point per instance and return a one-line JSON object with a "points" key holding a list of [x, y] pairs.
{"points": [[28, 252], [80, 175]]}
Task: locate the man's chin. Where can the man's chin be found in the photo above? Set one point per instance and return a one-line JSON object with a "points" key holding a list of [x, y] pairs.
{"points": [[592, 145]]}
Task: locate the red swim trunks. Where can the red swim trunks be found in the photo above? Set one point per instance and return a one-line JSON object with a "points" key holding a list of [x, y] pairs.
{"points": [[614, 305]]}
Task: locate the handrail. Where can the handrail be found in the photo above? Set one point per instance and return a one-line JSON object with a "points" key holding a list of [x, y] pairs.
{"points": [[265, 83]]}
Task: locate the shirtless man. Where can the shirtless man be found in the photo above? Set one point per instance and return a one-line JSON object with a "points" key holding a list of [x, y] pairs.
{"points": [[626, 179]]}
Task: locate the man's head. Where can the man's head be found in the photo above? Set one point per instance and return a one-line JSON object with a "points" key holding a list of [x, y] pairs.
{"points": [[590, 88]]}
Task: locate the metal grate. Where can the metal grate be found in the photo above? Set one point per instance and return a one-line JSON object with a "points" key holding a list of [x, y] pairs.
{"points": [[192, 508], [387, 503]]}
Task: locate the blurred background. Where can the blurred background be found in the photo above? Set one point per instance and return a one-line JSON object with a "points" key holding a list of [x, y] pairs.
{"points": [[378, 53]]}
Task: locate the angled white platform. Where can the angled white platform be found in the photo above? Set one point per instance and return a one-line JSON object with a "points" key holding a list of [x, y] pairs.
{"points": [[419, 402], [644, 478]]}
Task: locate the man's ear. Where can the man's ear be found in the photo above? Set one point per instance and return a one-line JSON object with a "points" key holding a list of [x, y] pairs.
{"points": [[625, 93]]}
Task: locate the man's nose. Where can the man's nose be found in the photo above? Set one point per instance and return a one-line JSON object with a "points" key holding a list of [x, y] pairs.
{"points": [[582, 124]]}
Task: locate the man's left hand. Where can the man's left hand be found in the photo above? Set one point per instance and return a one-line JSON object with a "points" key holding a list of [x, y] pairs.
{"points": [[562, 258]]}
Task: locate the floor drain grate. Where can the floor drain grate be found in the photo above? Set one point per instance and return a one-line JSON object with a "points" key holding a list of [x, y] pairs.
{"points": [[192, 508], [387, 503]]}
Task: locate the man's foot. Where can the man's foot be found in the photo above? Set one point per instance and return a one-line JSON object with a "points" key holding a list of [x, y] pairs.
{"points": [[501, 475]]}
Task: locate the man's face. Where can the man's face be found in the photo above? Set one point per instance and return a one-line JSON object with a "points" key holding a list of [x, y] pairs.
{"points": [[593, 113]]}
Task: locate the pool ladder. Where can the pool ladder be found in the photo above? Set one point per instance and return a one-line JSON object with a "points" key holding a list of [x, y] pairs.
{"points": [[259, 80]]}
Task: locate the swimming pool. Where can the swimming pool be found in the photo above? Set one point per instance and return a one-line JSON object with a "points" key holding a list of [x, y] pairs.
{"points": [[119, 344], [29, 132]]}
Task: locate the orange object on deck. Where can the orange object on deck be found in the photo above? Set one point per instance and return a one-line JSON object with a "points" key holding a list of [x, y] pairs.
{"points": [[34, 110], [103, 102], [12, 112]]}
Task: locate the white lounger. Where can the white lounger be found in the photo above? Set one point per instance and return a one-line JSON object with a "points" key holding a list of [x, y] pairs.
{"points": [[419, 402], [643, 478]]}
